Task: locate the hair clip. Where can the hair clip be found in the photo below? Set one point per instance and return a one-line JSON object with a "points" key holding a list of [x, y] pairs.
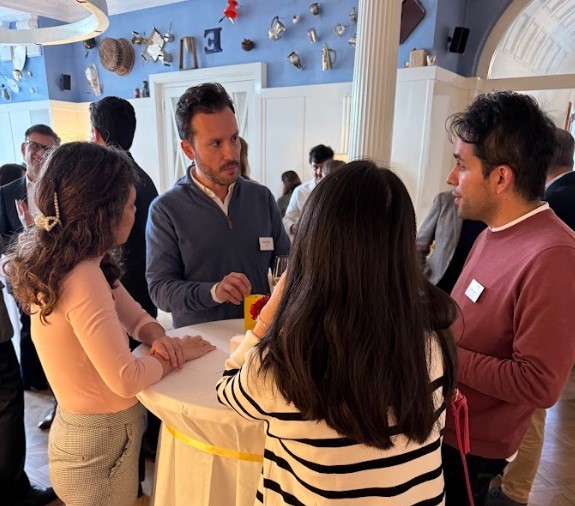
{"points": [[49, 222]]}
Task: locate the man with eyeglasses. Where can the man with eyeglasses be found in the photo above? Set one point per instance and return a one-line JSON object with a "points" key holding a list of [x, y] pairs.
{"points": [[17, 208]]}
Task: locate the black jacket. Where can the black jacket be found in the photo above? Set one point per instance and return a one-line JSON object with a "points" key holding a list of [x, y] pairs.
{"points": [[561, 197]]}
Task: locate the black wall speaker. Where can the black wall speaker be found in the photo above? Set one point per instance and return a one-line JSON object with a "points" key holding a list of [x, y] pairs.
{"points": [[458, 42], [66, 82]]}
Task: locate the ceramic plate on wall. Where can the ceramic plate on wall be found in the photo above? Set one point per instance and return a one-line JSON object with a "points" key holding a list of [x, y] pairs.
{"points": [[13, 85], [19, 57]]}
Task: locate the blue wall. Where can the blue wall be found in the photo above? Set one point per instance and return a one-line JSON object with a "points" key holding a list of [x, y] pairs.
{"points": [[192, 17], [481, 16], [35, 65], [422, 36], [450, 13]]}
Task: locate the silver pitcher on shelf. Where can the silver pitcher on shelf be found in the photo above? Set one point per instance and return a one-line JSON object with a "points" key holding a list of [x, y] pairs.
{"points": [[328, 57]]}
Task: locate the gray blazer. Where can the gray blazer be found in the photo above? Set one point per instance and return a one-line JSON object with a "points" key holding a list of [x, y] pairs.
{"points": [[441, 226]]}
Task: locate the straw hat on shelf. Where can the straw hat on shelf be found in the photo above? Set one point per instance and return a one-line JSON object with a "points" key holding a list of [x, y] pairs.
{"points": [[117, 55]]}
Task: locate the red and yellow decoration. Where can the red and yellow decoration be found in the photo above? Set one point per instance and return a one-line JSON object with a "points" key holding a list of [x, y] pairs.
{"points": [[253, 304]]}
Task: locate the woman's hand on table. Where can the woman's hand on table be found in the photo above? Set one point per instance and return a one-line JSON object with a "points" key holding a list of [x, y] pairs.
{"points": [[170, 349], [195, 347]]}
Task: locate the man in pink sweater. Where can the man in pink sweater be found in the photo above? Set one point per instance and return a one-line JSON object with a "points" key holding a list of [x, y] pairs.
{"points": [[515, 331]]}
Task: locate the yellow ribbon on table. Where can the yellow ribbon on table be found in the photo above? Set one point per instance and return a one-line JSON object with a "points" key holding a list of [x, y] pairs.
{"points": [[214, 450]]}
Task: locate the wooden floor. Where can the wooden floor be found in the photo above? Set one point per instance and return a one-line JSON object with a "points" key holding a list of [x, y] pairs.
{"points": [[554, 486], [555, 482]]}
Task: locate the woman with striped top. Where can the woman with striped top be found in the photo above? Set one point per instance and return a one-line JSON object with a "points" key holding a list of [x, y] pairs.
{"points": [[352, 360]]}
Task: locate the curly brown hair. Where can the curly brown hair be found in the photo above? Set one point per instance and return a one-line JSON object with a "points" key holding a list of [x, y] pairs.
{"points": [[92, 184]]}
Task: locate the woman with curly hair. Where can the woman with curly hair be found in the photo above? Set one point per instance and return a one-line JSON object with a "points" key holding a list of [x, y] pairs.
{"points": [[65, 272], [352, 359]]}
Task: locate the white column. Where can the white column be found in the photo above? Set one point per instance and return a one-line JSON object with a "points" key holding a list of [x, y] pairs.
{"points": [[374, 78]]}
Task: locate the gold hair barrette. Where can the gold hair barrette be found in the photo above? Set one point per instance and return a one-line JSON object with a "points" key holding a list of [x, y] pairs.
{"points": [[49, 222]]}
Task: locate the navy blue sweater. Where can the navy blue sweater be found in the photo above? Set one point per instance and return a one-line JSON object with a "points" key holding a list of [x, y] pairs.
{"points": [[191, 245]]}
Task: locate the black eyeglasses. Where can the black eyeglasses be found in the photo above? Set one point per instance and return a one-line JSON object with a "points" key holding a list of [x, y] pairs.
{"points": [[36, 146]]}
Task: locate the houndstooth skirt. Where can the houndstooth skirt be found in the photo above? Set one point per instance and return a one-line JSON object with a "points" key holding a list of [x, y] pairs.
{"points": [[94, 457]]}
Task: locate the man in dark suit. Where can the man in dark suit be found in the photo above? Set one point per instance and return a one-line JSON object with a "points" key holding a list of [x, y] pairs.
{"points": [[17, 207], [519, 474], [560, 182], [113, 123]]}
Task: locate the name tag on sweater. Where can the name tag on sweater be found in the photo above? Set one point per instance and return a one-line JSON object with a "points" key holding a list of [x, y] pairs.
{"points": [[266, 243], [474, 290]]}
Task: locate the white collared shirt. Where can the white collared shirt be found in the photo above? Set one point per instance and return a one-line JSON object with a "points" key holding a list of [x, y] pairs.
{"points": [[225, 205], [31, 196], [547, 185]]}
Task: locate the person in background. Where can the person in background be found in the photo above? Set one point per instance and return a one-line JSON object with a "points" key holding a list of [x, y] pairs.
{"points": [[331, 166], [17, 208], [244, 162], [515, 343], [290, 181], [318, 155], [560, 181], [212, 238], [519, 474], [452, 239], [64, 271], [352, 359], [113, 122], [10, 172]]}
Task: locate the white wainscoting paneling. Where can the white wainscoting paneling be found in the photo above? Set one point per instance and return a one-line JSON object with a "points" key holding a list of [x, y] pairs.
{"points": [[294, 120], [422, 154]]}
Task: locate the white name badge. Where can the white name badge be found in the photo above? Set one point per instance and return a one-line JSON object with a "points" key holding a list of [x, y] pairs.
{"points": [[266, 243], [474, 290]]}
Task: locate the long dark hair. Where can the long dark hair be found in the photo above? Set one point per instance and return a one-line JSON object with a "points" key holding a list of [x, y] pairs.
{"points": [[92, 184], [351, 339], [291, 181]]}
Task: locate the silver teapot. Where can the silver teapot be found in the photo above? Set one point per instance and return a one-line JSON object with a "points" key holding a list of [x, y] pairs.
{"points": [[328, 57]]}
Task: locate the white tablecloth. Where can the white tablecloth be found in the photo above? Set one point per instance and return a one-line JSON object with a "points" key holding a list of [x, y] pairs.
{"points": [[191, 416]]}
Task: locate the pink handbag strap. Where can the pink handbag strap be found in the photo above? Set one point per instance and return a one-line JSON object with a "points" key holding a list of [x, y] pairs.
{"points": [[461, 415]]}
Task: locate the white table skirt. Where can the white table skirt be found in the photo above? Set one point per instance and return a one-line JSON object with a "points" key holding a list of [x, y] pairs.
{"points": [[192, 417]]}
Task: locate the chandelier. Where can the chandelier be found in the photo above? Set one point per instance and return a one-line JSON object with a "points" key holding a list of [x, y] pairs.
{"points": [[94, 23]]}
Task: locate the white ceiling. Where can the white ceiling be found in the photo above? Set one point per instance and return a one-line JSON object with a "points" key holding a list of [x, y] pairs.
{"points": [[540, 41], [68, 10]]}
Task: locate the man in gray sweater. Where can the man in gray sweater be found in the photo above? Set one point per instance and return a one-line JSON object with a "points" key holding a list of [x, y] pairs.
{"points": [[212, 237]]}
